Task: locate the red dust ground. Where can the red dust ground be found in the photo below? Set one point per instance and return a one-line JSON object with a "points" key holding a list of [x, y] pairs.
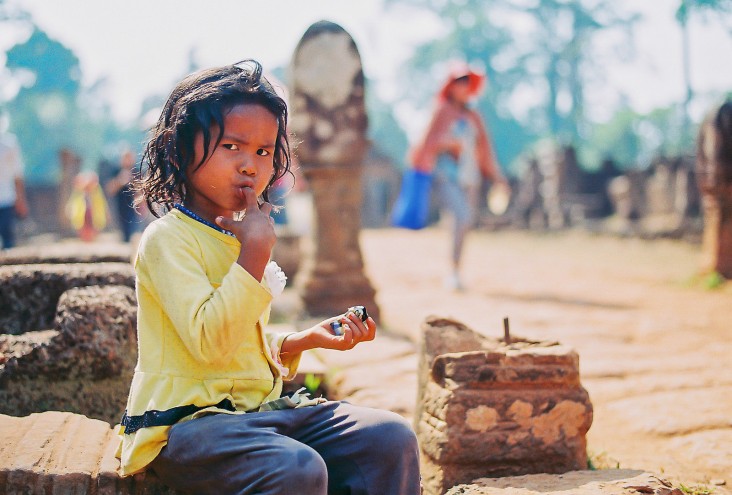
{"points": [[655, 344]]}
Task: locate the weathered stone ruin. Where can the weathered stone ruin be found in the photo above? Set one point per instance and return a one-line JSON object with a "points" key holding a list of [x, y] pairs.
{"points": [[487, 408], [66, 253], [600, 482], [714, 167], [555, 192], [67, 338], [329, 117], [31, 292]]}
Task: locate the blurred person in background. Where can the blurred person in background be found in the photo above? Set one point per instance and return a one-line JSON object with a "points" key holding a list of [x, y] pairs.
{"points": [[121, 193], [12, 187], [87, 208], [457, 150]]}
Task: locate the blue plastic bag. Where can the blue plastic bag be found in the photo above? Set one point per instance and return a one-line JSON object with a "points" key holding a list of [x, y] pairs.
{"points": [[412, 207]]}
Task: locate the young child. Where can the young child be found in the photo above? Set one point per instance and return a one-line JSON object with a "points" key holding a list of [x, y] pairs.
{"points": [[457, 149], [203, 411]]}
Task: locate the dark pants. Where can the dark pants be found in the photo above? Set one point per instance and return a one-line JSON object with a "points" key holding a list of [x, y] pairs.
{"points": [[130, 220], [7, 226], [333, 448]]}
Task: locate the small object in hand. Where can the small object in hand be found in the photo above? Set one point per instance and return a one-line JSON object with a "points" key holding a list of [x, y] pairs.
{"points": [[359, 311], [336, 327]]}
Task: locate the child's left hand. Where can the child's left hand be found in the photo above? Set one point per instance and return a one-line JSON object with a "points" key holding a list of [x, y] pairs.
{"points": [[321, 335], [354, 331]]}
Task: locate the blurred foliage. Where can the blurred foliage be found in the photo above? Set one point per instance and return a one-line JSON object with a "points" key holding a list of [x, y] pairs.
{"points": [[548, 48], [632, 139], [553, 58], [52, 110], [540, 56], [385, 133], [686, 7], [683, 13]]}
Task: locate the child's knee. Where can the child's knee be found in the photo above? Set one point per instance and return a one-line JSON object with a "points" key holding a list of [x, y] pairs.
{"points": [[395, 434], [380, 433], [303, 470]]}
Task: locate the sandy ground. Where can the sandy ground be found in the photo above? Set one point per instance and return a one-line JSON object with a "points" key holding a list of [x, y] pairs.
{"points": [[655, 344]]}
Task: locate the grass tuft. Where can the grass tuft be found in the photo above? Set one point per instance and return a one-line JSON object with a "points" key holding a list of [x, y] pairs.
{"points": [[602, 460], [696, 489]]}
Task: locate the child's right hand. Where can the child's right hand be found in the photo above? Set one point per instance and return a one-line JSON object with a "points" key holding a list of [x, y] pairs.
{"points": [[255, 232]]}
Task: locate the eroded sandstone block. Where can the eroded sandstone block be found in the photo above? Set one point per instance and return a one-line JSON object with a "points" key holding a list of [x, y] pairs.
{"points": [[63, 453], [83, 364], [487, 408], [66, 253], [31, 292], [600, 482]]}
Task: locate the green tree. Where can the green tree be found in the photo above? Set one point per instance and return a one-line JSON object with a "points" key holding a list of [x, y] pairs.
{"points": [[683, 14], [52, 110], [553, 58], [385, 133], [44, 113]]}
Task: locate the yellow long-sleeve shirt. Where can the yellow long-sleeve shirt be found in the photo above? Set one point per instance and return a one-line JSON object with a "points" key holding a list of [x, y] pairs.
{"points": [[201, 344]]}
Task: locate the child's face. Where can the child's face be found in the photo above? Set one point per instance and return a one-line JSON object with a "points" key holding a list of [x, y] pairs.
{"points": [[459, 91], [243, 158]]}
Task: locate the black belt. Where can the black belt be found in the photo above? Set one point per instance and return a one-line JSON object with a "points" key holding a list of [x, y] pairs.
{"points": [[168, 417]]}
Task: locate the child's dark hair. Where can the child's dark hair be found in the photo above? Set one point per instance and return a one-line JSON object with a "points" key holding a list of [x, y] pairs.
{"points": [[196, 104]]}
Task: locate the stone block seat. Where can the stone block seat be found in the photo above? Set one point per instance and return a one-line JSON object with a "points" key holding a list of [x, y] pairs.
{"points": [[65, 453], [30, 292], [58, 253], [67, 338]]}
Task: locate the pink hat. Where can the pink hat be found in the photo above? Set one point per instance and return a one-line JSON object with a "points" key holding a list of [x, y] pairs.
{"points": [[459, 69]]}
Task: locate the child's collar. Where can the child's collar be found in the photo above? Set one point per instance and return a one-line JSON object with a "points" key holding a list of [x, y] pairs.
{"points": [[192, 215]]}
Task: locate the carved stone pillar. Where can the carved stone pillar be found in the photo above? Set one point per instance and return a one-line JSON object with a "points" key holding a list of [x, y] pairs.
{"points": [[329, 122], [714, 178]]}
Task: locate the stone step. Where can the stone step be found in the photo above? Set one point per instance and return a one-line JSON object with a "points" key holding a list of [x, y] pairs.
{"points": [[600, 482], [64, 453]]}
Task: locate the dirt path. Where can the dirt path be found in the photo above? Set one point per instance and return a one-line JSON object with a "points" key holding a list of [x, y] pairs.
{"points": [[655, 345]]}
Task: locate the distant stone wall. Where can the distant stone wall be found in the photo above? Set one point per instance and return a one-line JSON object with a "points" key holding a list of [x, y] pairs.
{"points": [[554, 192]]}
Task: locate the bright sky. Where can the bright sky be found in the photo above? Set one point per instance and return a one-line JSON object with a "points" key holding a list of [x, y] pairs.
{"points": [[142, 46]]}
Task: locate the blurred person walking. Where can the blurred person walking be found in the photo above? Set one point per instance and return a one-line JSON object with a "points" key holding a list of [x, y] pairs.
{"points": [[12, 186], [87, 208], [456, 148], [121, 192]]}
